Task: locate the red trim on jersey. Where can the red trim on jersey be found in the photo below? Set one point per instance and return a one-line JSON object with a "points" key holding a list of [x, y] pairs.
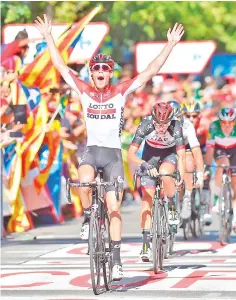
{"points": [[180, 147], [98, 111], [226, 147], [80, 84], [210, 145], [124, 86], [155, 143]]}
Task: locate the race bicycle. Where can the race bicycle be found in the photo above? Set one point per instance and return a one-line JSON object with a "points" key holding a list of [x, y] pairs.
{"points": [[99, 243], [162, 234], [225, 205]]}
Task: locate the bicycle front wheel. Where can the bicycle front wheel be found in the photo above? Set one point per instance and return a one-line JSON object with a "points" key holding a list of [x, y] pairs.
{"points": [[107, 263], [95, 253], [156, 235]]}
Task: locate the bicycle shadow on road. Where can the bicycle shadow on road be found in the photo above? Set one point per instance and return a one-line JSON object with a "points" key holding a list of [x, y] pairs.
{"points": [[135, 282]]}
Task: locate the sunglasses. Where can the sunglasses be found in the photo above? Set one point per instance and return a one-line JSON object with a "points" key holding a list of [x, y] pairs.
{"points": [[189, 116], [102, 67], [225, 123], [162, 125]]}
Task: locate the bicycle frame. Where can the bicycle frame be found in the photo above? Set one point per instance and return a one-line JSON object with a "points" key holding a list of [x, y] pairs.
{"points": [[100, 255]]}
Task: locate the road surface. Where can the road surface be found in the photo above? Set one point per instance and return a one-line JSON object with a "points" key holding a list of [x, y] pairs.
{"points": [[51, 263]]}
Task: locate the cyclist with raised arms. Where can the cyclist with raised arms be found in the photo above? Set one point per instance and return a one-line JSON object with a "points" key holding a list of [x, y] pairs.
{"points": [[163, 138], [194, 158], [103, 107], [221, 144]]}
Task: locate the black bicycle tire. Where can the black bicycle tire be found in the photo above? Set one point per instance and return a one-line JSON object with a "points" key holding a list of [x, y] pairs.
{"points": [[108, 279], [161, 251], [94, 220], [197, 230], [172, 241], [187, 228], [228, 213], [222, 214], [155, 238], [167, 236]]}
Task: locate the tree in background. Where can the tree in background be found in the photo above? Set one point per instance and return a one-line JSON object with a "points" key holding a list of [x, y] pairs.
{"points": [[131, 22]]}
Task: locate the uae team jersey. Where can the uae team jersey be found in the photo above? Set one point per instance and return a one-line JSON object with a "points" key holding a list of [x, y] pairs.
{"points": [[103, 111], [173, 137]]}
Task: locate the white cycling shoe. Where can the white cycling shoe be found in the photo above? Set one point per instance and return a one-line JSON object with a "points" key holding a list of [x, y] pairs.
{"points": [[146, 256], [186, 208], [84, 232], [207, 219], [117, 272]]}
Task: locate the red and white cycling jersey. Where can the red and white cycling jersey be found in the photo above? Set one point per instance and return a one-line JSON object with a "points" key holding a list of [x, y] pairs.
{"points": [[103, 111]]}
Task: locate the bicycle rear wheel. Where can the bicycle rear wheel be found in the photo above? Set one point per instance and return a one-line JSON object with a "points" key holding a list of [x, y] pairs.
{"points": [[107, 264], [225, 226], [95, 252], [198, 220], [156, 235]]}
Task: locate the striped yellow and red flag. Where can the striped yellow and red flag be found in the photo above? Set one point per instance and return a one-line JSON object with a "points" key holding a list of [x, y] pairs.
{"points": [[41, 72]]}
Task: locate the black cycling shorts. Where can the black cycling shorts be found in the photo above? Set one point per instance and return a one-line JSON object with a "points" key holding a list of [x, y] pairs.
{"points": [[109, 159], [167, 155], [222, 152]]}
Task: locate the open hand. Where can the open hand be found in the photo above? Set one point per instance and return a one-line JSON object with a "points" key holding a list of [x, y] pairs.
{"points": [[175, 35], [44, 27]]}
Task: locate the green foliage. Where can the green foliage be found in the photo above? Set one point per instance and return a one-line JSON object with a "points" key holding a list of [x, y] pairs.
{"points": [[15, 12], [140, 20]]}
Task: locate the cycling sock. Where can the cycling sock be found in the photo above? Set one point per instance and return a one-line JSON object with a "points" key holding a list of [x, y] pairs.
{"points": [[146, 239], [116, 252], [86, 215]]}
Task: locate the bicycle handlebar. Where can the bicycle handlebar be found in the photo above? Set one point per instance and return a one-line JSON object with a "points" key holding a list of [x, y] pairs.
{"points": [[118, 183], [139, 173]]}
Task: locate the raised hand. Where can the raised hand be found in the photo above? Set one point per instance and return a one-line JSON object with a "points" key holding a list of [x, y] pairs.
{"points": [[175, 35], [45, 26]]}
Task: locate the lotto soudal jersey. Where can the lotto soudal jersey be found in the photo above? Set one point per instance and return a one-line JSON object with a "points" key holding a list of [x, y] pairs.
{"points": [[173, 137], [103, 111]]}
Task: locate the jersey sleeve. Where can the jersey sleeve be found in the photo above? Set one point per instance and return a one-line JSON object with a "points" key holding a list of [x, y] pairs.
{"points": [[192, 137], [210, 143], [129, 86], [78, 85], [142, 131], [178, 136]]}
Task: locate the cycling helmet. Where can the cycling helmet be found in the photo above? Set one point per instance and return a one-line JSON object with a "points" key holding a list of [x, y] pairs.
{"points": [[162, 112], [102, 58], [227, 114], [191, 107], [176, 108]]}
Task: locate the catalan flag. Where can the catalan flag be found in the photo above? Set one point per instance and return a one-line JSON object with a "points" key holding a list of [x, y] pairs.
{"points": [[63, 103], [41, 72]]}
